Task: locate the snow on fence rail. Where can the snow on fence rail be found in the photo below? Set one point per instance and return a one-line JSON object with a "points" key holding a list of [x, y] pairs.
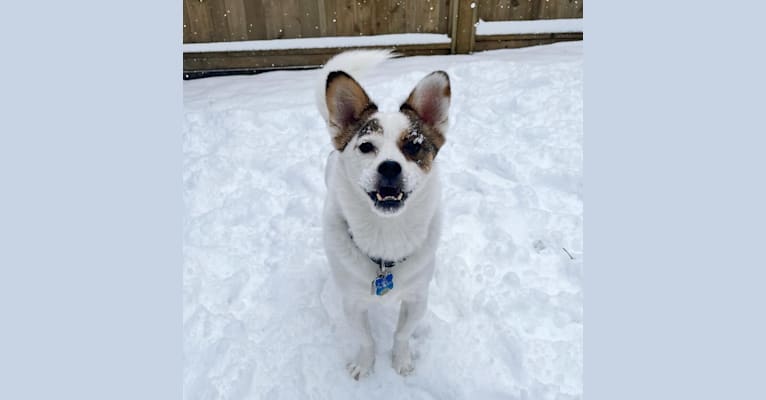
{"points": [[321, 42]]}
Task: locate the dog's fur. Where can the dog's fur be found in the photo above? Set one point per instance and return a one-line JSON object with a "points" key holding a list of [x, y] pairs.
{"points": [[363, 216]]}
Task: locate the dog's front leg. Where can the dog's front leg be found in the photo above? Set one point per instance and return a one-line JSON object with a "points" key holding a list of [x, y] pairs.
{"points": [[410, 313], [365, 358]]}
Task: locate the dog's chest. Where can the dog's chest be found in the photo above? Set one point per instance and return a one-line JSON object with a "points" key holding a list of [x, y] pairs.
{"points": [[390, 241]]}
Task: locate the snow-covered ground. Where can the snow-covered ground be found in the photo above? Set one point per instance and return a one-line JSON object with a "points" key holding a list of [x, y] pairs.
{"points": [[261, 316]]}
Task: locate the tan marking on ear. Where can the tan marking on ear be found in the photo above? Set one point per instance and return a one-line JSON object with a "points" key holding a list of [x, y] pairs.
{"points": [[348, 106], [430, 99]]}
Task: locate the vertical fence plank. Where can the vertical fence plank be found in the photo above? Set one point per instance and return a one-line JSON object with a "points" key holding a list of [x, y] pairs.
{"points": [[345, 17], [255, 17], [410, 7], [430, 16], [536, 9], [398, 17], [235, 19], [464, 31], [322, 18], [309, 18], [330, 15], [291, 17], [379, 17], [521, 10], [199, 21], [272, 19], [564, 9], [187, 26], [444, 8], [550, 9], [218, 16], [363, 18]]}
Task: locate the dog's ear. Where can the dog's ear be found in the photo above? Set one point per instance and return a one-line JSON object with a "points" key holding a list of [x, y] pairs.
{"points": [[346, 103], [430, 100]]}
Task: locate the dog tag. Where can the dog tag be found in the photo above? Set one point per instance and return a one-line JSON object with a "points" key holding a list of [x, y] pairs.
{"points": [[382, 284]]}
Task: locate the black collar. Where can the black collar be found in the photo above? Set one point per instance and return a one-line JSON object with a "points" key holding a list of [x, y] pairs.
{"points": [[377, 261]]}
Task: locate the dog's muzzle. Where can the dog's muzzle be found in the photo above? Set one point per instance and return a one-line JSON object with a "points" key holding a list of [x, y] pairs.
{"points": [[389, 195], [388, 198]]}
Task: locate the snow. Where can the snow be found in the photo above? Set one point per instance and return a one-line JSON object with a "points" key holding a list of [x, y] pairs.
{"points": [[262, 319], [319, 42], [484, 28]]}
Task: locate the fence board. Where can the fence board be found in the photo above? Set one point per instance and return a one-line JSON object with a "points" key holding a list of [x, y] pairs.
{"points": [[187, 26], [363, 17], [309, 11], [507, 10], [322, 18], [254, 16], [444, 7], [410, 12], [217, 10], [291, 18], [331, 25], [236, 19], [200, 24], [380, 20], [560, 9], [345, 17], [397, 15], [429, 15], [272, 19], [464, 31]]}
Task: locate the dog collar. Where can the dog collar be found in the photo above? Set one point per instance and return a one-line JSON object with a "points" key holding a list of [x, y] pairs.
{"points": [[385, 263], [377, 261]]}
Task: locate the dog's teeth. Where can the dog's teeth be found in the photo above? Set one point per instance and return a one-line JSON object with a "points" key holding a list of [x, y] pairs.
{"points": [[380, 198], [399, 197]]}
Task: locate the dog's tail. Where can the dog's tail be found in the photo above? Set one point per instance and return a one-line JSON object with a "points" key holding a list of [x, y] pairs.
{"points": [[355, 63]]}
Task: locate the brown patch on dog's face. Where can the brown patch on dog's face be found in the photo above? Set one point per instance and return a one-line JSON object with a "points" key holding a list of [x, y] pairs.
{"points": [[421, 142], [359, 126], [348, 107]]}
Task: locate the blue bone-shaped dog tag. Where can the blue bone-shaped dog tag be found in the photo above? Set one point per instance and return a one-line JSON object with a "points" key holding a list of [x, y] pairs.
{"points": [[382, 284]]}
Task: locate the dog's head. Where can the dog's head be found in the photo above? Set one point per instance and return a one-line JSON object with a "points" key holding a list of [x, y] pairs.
{"points": [[388, 155]]}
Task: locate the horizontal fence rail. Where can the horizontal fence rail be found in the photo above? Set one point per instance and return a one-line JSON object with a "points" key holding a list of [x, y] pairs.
{"points": [[215, 21]]}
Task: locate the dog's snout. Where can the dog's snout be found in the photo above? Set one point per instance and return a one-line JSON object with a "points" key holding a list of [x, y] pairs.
{"points": [[390, 169]]}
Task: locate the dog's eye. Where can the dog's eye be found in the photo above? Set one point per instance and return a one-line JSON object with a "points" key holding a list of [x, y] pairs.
{"points": [[366, 147], [412, 148]]}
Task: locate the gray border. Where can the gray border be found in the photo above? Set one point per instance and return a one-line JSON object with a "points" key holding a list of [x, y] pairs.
{"points": [[90, 170], [90, 211], [674, 200]]}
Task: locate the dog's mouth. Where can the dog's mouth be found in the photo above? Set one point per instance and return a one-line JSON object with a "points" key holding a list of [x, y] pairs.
{"points": [[388, 198]]}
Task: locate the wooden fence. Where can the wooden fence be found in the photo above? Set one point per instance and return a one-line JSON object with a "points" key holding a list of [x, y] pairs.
{"points": [[239, 20]]}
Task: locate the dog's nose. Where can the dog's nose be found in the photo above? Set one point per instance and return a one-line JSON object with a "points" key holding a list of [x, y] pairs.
{"points": [[390, 169]]}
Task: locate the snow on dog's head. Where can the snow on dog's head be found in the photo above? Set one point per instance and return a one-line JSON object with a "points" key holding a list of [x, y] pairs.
{"points": [[388, 154]]}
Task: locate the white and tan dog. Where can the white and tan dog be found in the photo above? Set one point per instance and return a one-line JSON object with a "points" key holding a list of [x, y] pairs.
{"points": [[382, 215]]}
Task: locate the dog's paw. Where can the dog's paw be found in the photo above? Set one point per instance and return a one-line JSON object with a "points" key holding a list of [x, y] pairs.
{"points": [[362, 366], [402, 359]]}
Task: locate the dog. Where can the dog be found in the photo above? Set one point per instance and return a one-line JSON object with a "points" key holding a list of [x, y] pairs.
{"points": [[382, 216]]}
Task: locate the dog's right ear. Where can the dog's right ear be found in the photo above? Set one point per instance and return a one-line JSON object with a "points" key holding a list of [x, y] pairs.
{"points": [[346, 104]]}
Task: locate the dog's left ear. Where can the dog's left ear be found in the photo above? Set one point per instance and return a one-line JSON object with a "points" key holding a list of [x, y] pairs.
{"points": [[346, 104], [430, 100]]}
